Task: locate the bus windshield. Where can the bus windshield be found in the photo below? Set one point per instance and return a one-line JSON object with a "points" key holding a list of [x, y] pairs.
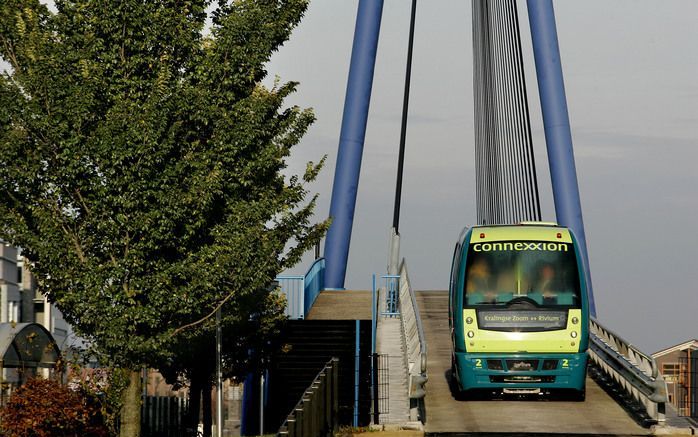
{"points": [[527, 274]]}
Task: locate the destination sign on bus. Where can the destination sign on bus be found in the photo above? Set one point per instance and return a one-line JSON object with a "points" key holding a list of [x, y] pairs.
{"points": [[521, 246], [523, 320]]}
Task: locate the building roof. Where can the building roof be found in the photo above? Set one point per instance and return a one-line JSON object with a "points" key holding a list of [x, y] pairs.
{"points": [[27, 345], [690, 344]]}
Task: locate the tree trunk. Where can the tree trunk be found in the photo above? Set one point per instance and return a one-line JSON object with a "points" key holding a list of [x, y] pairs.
{"points": [[194, 403], [131, 408], [208, 416]]}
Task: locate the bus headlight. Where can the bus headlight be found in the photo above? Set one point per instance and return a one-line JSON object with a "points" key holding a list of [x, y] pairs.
{"points": [[469, 320], [471, 334], [573, 334], [575, 320]]}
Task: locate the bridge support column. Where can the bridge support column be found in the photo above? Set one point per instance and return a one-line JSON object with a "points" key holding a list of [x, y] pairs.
{"points": [[351, 140], [558, 137]]}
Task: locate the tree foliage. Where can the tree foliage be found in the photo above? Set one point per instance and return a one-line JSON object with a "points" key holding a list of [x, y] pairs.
{"points": [[141, 164]]}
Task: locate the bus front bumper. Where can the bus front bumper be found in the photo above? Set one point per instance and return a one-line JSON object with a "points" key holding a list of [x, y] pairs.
{"points": [[521, 371]]}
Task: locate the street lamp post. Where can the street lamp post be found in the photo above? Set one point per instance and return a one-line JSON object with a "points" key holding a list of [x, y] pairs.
{"points": [[219, 377]]}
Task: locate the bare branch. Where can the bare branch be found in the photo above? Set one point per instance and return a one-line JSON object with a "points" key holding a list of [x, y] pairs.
{"points": [[203, 319]]}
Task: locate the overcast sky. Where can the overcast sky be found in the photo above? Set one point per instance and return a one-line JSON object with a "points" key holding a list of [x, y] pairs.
{"points": [[631, 70]]}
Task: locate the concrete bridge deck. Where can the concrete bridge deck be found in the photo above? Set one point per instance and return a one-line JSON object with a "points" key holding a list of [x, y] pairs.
{"points": [[341, 305], [598, 415]]}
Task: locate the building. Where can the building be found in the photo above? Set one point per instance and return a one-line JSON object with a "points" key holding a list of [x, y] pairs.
{"points": [[10, 297], [22, 308], [36, 307], [679, 367], [20, 300]]}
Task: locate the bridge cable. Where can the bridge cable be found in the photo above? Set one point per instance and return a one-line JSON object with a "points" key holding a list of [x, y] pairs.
{"points": [[526, 150], [509, 124], [510, 202], [513, 116], [490, 121], [529, 137], [506, 180], [477, 98], [403, 127]]}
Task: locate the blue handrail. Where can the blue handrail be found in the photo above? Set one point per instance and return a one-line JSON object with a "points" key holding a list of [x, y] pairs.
{"points": [[314, 283], [302, 290]]}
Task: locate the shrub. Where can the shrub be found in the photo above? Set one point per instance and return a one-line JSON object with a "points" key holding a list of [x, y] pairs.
{"points": [[46, 408]]}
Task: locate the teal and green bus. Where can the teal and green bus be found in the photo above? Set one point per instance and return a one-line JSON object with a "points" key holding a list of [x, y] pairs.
{"points": [[518, 311]]}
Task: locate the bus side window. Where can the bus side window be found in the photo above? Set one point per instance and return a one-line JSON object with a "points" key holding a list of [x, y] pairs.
{"points": [[454, 268]]}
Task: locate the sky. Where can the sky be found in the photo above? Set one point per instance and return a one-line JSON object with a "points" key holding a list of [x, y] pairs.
{"points": [[630, 74]]}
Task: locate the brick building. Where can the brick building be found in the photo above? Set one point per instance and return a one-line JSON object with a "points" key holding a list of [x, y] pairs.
{"points": [[679, 367]]}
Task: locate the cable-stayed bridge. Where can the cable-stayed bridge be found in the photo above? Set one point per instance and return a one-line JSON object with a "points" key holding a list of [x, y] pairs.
{"points": [[410, 379]]}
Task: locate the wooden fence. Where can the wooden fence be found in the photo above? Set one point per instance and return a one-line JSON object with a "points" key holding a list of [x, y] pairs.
{"points": [[317, 412], [164, 416]]}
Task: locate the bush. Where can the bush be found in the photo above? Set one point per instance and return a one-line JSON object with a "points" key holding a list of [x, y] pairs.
{"points": [[46, 408]]}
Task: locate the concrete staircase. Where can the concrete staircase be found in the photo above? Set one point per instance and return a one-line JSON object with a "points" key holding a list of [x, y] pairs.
{"points": [[389, 342]]}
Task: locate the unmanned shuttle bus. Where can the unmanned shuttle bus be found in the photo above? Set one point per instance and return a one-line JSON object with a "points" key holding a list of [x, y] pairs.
{"points": [[518, 310]]}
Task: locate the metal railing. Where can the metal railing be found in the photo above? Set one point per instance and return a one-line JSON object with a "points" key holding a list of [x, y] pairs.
{"points": [[413, 341], [314, 283], [317, 412], [635, 372], [392, 285], [380, 386], [302, 290], [293, 287]]}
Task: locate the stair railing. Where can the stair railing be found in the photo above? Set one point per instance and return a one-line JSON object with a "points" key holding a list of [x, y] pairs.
{"points": [[317, 412]]}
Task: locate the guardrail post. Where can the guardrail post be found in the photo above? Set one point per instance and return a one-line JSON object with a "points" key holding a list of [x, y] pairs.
{"points": [[634, 371], [300, 420], [289, 428], [307, 416], [316, 413], [325, 405], [293, 426], [335, 395], [317, 410], [413, 342]]}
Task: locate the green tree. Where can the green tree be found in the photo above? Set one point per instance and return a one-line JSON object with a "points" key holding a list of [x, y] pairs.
{"points": [[141, 166]]}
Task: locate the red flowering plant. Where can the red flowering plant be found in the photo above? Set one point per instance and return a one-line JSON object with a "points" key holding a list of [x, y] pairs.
{"points": [[46, 408]]}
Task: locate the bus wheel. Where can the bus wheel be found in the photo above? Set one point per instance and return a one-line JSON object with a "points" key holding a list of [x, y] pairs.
{"points": [[578, 395], [456, 392]]}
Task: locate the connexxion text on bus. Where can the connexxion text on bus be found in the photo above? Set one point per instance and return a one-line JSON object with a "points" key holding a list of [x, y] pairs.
{"points": [[518, 310]]}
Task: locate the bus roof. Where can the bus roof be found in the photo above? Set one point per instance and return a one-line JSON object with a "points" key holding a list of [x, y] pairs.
{"points": [[521, 232]]}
